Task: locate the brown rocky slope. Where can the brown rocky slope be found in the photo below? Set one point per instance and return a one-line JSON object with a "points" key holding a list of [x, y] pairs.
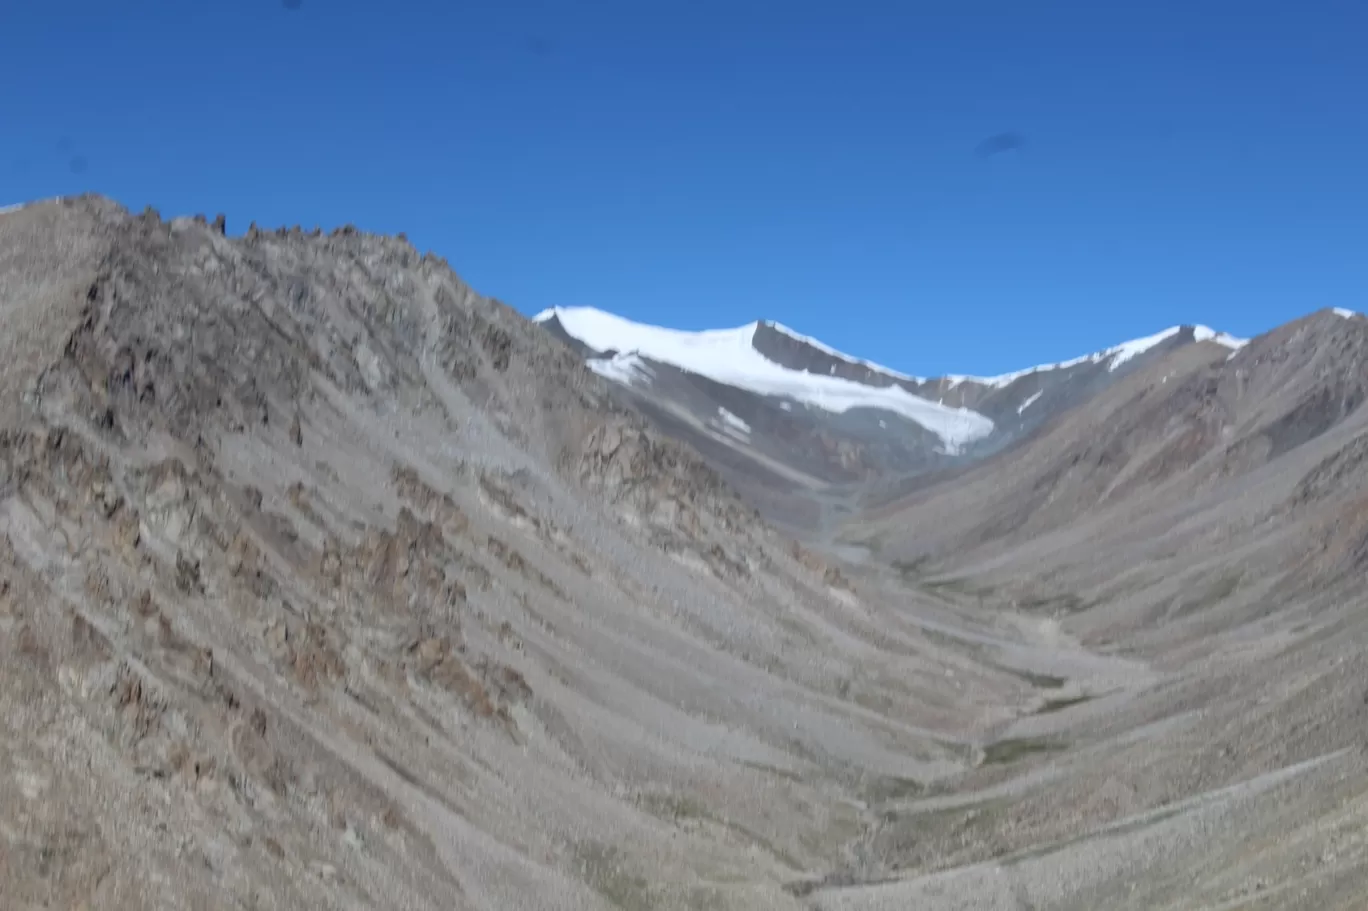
{"points": [[329, 583], [1207, 518]]}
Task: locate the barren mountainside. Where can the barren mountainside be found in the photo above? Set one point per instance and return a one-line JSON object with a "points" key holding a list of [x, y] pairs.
{"points": [[326, 582]]}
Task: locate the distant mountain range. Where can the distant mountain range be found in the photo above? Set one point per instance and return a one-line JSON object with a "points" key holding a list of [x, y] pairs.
{"points": [[779, 412]]}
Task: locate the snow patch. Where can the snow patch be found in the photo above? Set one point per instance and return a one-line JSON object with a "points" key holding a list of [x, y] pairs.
{"points": [[840, 355], [624, 368], [15, 207], [1342, 312], [1203, 334], [1007, 379], [1128, 350], [1030, 401], [1116, 355], [733, 423], [729, 356]]}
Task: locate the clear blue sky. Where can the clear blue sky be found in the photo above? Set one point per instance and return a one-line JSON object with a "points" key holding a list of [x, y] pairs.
{"points": [[700, 163]]}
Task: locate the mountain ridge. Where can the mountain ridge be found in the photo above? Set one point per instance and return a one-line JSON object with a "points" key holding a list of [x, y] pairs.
{"points": [[1118, 353], [808, 432]]}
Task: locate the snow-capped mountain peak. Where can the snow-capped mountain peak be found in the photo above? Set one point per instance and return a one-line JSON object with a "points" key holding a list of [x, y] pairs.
{"points": [[772, 361], [731, 356], [776, 410], [596, 328]]}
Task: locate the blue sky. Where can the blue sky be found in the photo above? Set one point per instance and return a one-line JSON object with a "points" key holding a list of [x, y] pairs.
{"points": [[699, 163]]}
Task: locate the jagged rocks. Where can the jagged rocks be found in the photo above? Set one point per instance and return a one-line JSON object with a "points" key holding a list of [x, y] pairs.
{"points": [[1344, 467], [628, 464], [434, 661], [488, 689], [139, 706], [514, 561], [313, 658], [437, 506]]}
